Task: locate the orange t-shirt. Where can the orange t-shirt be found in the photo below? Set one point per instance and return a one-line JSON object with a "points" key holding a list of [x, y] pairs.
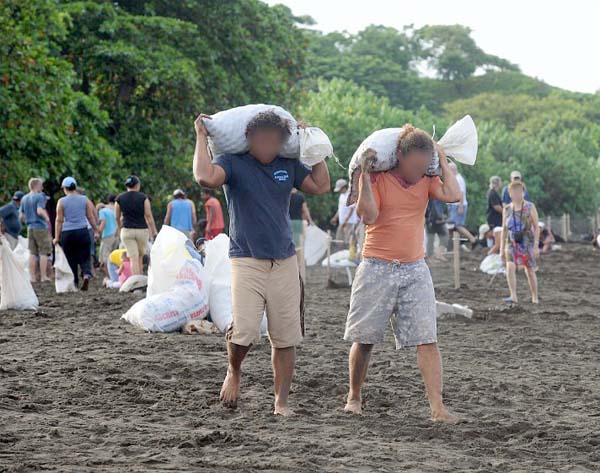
{"points": [[214, 205], [397, 234]]}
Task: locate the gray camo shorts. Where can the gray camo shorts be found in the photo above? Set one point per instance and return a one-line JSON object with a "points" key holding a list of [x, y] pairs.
{"points": [[400, 293]]}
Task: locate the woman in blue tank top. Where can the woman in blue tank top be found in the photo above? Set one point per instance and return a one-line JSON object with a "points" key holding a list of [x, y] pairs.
{"points": [[73, 212], [181, 213]]}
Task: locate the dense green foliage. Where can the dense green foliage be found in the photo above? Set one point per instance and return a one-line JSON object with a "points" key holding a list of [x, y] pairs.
{"points": [[100, 89]]}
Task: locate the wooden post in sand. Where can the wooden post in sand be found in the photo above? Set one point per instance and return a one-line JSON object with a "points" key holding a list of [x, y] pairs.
{"points": [[328, 256], [565, 231], [549, 223], [456, 258]]}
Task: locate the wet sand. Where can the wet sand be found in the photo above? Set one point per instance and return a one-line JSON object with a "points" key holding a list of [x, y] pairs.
{"points": [[81, 390]]}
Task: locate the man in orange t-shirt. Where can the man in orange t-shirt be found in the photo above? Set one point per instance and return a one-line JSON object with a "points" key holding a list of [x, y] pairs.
{"points": [[215, 224], [393, 282]]}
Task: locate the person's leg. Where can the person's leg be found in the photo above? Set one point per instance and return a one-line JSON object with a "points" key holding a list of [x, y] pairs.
{"points": [[230, 391], [511, 278], [112, 271], [84, 242], [33, 255], [372, 302], [45, 249], [430, 365], [533, 284], [32, 267], [466, 233], [142, 237], [131, 247], [358, 364], [284, 361], [248, 277], [71, 251], [285, 326]]}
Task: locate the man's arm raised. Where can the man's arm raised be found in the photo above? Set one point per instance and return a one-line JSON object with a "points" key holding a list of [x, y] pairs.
{"points": [[206, 173]]}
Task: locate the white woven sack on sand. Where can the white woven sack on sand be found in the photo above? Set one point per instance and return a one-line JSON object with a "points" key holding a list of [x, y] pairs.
{"points": [[64, 280], [16, 291], [227, 130]]}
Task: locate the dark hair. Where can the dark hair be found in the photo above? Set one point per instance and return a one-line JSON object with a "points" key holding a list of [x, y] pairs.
{"points": [[71, 187], [270, 121], [412, 139], [132, 181], [206, 190], [111, 198]]}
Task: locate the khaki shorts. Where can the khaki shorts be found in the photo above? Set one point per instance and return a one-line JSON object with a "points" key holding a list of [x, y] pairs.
{"points": [[135, 241], [257, 284], [39, 242], [107, 246]]}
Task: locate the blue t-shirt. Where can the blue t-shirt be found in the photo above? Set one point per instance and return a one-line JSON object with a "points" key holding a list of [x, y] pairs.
{"points": [[258, 200], [181, 215], [10, 216], [29, 205], [110, 227], [506, 196]]}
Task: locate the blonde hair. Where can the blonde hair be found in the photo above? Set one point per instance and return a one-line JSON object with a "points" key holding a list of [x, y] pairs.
{"points": [[35, 182]]}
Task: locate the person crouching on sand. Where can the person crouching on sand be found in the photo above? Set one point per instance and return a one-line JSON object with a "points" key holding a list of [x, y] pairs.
{"points": [[264, 269], [393, 281]]}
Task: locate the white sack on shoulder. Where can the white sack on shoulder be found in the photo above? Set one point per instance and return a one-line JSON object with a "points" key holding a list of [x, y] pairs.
{"points": [[227, 130], [315, 145]]}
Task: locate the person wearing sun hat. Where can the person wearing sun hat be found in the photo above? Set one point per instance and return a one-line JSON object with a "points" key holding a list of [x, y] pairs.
{"points": [[73, 212], [345, 217]]}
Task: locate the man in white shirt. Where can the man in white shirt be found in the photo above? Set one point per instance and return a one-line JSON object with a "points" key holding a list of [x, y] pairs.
{"points": [[345, 217], [457, 213]]}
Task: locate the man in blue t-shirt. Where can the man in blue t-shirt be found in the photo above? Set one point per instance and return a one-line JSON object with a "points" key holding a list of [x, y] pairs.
{"points": [[109, 240], [34, 213], [11, 224], [264, 269]]}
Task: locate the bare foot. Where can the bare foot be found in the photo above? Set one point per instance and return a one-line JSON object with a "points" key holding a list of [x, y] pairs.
{"points": [[284, 411], [230, 392], [45, 280], [353, 407], [535, 301], [445, 417]]}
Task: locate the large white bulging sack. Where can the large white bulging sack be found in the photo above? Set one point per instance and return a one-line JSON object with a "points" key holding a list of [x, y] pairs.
{"points": [[315, 245], [315, 146], [64, 280], [169, 311], [218, 267], [21, 253], [227, 130], [133, 283], [460, 141], [16, 291], [492, 264], [167, 257]]}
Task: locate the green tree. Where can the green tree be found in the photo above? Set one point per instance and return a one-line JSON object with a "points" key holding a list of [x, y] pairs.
{"points": [[48, 129]]}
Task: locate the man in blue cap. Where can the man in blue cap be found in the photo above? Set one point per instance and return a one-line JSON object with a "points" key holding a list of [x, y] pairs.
{"points": [[11, 225]]}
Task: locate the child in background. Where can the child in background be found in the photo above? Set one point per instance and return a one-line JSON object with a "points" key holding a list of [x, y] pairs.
{"points": [[124, 271]]}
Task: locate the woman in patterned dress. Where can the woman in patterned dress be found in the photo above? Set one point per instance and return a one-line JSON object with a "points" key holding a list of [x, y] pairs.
{"points": [[520, 241]]}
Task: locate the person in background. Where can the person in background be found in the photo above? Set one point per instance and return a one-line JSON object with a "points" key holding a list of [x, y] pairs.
{"points": [[547, 239], [124, 270], [345, 217], [135, 223], [34, 213], [181, 213], [11, 224], [115, 260], [393, 283], [299, 214], [435, 224], [109, 240], [520, 241], [215, 224], [494, 212], [90, 228], [264, 267], [515, 176], [74, 213], [457, 212]]}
